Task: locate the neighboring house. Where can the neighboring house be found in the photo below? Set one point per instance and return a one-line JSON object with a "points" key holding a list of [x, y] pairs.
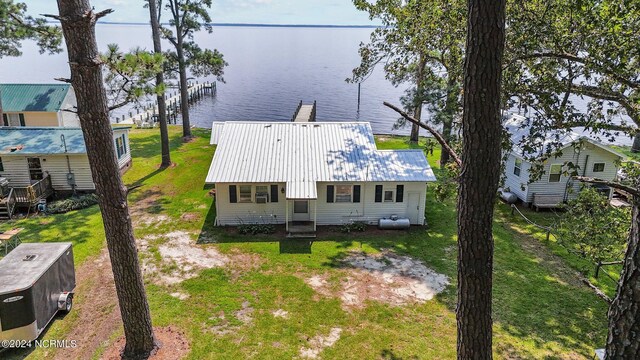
{"points": [[556, 186], [308, 174], [44, 105], [29, 154]]}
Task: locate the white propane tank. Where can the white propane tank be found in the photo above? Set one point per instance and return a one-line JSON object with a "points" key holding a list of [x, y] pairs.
{"points": [[508, 197], [394, 222]]}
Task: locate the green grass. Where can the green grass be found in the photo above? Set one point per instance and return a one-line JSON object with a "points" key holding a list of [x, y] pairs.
{"points": [[540, 311]]}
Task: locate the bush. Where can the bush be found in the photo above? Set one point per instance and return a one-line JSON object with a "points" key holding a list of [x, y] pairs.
{"points": [[353, 226], [253, 229], [73, 203]]}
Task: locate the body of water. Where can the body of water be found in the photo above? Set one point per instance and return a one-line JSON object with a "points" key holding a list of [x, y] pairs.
{"points": [[270, 70]]}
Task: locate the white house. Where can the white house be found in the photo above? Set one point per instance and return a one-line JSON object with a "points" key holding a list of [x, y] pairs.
{"points": [[556, 185], [38, 105], [308, 174], [28, 154]]}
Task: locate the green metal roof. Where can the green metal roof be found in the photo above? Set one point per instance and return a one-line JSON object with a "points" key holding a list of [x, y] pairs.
{"points": [[33, 97]]}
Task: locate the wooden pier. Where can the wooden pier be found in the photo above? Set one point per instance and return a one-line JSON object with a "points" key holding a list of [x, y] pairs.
{"points": [[305, 113], [147, 116]]}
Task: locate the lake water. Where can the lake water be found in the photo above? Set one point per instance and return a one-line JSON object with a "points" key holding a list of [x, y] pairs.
{"points": [[270, 70]]}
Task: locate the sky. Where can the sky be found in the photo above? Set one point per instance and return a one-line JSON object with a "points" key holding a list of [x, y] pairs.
{"points": [[290, 12]]}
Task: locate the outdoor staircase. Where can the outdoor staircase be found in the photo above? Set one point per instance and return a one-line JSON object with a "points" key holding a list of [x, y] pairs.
{"points": [[7, 206]]}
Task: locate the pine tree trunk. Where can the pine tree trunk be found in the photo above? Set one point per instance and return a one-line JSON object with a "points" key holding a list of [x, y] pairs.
{"points": [[417, 113], [184, 92], [162, 106], [635, 148], [450, 111], [623, 341], [481, 131], [78, 24]]}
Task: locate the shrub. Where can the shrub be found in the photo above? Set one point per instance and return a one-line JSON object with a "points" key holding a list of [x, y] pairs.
{"points": [[353, 226], [253, 229], [73, 203]]}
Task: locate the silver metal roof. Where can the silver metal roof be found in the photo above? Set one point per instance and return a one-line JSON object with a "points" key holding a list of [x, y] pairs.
{"points": [[301, 154], [519, 128], [216, 130]]}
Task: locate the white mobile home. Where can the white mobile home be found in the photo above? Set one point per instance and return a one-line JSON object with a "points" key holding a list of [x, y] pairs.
{"points": [[45, 105], [321, 173], [29, 154], [556, 186]]}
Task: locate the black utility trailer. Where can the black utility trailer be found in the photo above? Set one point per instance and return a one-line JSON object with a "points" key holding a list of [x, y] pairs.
{"points": [[36, 281]]}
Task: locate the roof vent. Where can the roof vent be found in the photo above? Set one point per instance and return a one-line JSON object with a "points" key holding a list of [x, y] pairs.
{"points": [[267, 126], [29, 258]]}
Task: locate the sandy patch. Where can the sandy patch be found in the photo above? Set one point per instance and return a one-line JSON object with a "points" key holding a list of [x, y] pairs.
{"points": [[245, 315], [173, 346], [319, 342], [179, 295], [182, 259], [388, 278], [280, 313]]}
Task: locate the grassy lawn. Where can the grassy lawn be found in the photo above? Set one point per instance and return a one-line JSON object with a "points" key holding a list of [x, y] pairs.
{"points": [[540, 309]]}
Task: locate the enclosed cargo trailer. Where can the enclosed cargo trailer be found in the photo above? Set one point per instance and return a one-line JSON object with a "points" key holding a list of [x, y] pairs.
{"points": [[36, 282]]}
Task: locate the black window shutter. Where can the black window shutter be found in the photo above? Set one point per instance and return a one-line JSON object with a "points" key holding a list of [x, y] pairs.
{"points": [[233, 194], [21, 116], [329, 193], [399, 193], [378, 193], [274, 193], [356, 193], [5, 119]]}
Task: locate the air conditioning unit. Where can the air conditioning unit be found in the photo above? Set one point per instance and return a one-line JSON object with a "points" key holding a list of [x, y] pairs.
{"points": [[262, 199]]}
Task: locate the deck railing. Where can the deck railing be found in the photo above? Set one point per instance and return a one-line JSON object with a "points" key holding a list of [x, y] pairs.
{"points": [[295, 114], [9, 203], [31, 194]]}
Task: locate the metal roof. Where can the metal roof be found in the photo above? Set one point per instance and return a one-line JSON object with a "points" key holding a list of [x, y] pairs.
{"points": [[519, 128], [17, 275], [33, 97], [216, 131], [301, 154], [42, 140]]}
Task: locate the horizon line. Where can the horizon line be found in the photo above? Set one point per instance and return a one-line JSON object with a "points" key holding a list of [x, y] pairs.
{"points": [[248, 25]]}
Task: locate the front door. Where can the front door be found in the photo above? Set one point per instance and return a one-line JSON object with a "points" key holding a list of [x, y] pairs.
{"points": [[301, 210], [413, 208]]}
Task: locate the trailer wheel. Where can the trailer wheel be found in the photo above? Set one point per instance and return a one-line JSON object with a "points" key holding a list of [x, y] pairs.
{"points": [[68, 305]]}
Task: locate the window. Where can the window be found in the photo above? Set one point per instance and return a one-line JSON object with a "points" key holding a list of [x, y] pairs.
{"points": [[517, 167], [388, 196], [555, 172], [35, 169], [598, 167], [343, 193], [1, 165], [245, 194], [262, 194], [121, 147]]}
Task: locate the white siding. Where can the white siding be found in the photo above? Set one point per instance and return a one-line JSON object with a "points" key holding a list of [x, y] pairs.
{"points": [[594, 153], [514, 183], [228, 213], [17, 171], [125, 158], [327, 213]]}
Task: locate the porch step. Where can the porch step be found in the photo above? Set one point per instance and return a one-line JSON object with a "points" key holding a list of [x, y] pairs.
{"points": [[301, 235]]}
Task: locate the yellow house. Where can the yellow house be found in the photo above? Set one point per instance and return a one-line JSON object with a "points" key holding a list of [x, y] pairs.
{"points": [[36, 105]]}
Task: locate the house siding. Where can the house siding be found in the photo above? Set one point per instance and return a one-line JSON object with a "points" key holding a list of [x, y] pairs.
{"points": [[325, 213], [17, 171], [514, 183], [543, 186], [125, 159]]}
